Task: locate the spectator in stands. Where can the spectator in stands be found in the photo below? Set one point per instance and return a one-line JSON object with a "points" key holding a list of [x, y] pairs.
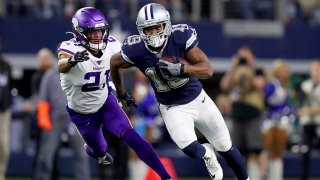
{"points": [[53, 120], [3, 8], [315, 13], [280, 112], [5, 115], [251, 9], [51, 8], [245, 84], [245, 9], [294, 12], [309, 116]]}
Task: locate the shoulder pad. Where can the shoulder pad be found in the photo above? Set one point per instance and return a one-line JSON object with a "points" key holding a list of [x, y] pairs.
{"points": [[69, 47], [185, 34], [114, 44], [132, 46]]}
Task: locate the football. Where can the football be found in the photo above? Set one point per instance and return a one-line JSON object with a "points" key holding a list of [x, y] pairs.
{"points": [[174, 58]]}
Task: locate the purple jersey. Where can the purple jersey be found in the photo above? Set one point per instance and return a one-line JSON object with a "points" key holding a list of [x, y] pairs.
{"points": [[168, 91]]}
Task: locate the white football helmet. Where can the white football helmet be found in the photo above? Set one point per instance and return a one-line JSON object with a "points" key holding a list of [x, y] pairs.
{"points": [[150, 15]]}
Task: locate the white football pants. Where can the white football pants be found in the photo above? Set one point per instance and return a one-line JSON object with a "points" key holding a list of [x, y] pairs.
{"points": [[201, 113]]}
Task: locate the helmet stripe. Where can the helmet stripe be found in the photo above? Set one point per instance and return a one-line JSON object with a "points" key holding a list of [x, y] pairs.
{"points": [[151, 11], [145, 13]]}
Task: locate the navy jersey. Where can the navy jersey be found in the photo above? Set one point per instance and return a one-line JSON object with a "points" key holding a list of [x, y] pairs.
{"points": [[168, 91]]}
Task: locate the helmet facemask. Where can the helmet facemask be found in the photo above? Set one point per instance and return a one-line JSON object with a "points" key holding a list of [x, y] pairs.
{"points": [[102, 44], [156, 40]]}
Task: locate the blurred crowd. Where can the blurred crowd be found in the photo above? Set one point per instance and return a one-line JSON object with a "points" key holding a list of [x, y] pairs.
{"points": [[303, 12], [287, 11], [270, 113]]}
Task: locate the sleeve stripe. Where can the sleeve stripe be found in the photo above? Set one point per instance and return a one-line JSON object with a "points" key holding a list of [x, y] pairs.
{"points": [[191, 41], [65, 51]]}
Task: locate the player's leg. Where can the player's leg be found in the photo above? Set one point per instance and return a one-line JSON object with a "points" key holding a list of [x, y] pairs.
{"points": [[117, 122], [212, 125], [181, 130], [89, 127]]}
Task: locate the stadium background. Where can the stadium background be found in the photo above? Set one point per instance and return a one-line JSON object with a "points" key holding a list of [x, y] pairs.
{"points": [[270, 27]]}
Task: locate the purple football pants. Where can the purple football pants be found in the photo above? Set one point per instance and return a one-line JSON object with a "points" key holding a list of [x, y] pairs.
{"points": [[110, 116]]}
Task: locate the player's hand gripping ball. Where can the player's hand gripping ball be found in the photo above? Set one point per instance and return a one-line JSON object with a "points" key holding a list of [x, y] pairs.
{"points": [[172, 66]]}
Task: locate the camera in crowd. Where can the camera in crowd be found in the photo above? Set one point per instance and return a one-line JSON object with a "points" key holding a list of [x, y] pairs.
{"points": [[242, 61]]}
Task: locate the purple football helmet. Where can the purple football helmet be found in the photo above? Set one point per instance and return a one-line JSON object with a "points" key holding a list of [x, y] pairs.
{"points": [[88, 19]]}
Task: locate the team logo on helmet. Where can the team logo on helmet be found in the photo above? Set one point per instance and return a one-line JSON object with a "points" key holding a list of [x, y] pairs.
{"points": [[89, 19]]}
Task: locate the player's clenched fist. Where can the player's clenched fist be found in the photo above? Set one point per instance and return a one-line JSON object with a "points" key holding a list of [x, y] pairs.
{"points": [[79, 56]]}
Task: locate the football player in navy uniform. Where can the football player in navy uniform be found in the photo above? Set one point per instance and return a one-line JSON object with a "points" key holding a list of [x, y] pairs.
{"points": [[84, 66], [183, 103]]}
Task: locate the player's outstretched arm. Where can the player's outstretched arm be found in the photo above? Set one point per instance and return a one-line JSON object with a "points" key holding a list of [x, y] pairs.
{"points": [[199, 64], [116, 64], [66, 62], [63, 66]]}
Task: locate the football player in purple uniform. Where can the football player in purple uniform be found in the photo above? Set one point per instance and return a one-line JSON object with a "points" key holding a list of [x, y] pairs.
{"points": [[183, 103], [84, 66]]}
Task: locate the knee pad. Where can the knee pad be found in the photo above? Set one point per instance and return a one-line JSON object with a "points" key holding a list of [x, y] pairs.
{"points": [[223, 145], [194, 150]]}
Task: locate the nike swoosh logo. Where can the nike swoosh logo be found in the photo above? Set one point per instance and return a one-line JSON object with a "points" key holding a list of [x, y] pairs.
{"points": [[203, 99], [212, 176]]}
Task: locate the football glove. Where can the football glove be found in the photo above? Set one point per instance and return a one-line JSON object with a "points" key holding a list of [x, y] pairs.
{"points": [[171, 69], [79, 56], [127, 99]]}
